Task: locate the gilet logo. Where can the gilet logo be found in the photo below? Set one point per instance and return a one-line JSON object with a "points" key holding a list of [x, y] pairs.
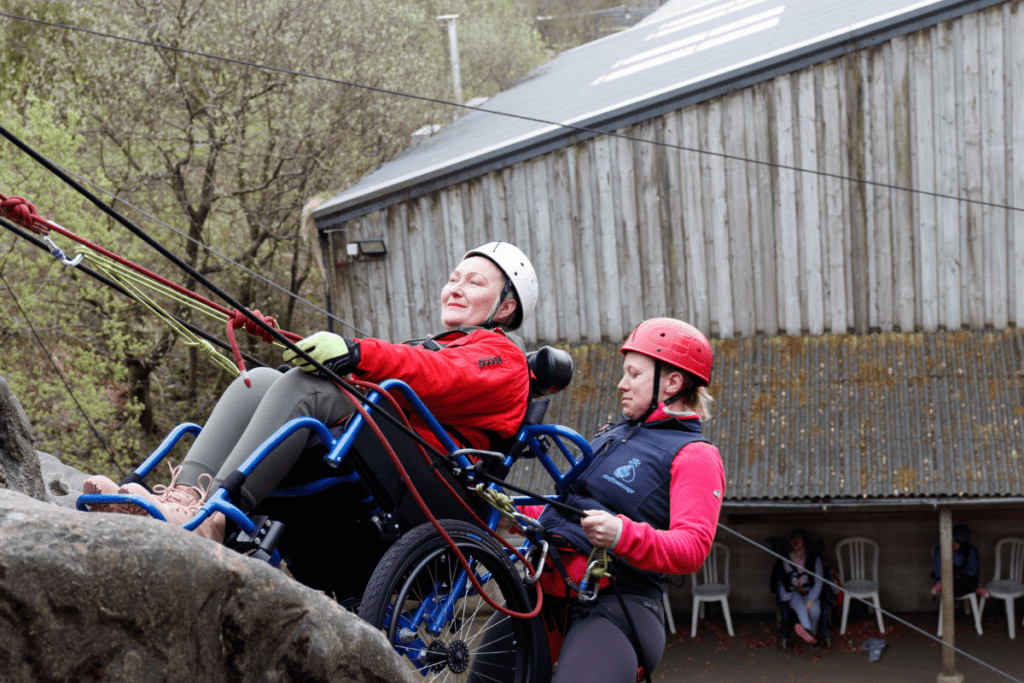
{"points": [[627, 472], [486, 362]]}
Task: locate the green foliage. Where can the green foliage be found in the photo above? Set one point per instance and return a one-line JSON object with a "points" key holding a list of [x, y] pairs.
{"points": [[565, 24], [225, 153], [56, 328], [497, 44]]}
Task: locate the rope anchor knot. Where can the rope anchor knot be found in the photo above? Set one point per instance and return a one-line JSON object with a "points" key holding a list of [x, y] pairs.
{"points": [[22, 212]]}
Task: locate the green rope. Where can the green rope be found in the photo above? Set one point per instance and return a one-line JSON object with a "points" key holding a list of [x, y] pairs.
{"points": [[132, 283]]}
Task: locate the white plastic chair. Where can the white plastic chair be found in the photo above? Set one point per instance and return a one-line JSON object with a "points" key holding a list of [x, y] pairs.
{"points": [[670, 623], [715, 585], [970, 605], [1012, 587], [851, 553]]}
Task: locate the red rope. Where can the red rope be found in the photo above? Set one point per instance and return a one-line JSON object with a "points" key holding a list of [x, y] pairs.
{"points": [[426, 510], [24, 213], [238, 319]]}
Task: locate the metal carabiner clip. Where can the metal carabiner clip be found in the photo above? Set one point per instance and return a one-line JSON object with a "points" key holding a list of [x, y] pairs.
{"points": [[538, 567], [58, 253], [587, 594]]}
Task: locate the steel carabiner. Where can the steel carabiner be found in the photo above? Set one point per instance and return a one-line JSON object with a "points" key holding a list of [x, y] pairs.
{"points": [[58, 253]]}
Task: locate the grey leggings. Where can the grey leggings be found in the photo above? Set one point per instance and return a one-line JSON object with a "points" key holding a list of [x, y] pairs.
{"points": [[598, 646], [245, 417]]}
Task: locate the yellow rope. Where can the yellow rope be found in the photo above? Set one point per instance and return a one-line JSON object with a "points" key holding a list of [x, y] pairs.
{"points": [[132, 282]]}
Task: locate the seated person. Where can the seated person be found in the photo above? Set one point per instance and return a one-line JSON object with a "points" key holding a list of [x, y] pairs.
{"points": [[965, 565], [473, 378], [652, 497], [794, 585]]}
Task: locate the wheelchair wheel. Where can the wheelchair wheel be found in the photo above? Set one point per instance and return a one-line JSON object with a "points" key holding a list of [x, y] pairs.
{"points": [[420, 596]]}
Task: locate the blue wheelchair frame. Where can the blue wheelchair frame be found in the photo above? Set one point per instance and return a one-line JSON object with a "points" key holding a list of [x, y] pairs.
{"points": [[536, 439]]}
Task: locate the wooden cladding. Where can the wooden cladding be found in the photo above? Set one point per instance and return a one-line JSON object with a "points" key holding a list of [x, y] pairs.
{"points": [[673, 219]]}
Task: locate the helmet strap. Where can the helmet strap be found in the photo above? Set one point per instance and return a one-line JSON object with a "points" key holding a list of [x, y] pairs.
{"points": [[669, 400], [655, 390], [489, 323]]}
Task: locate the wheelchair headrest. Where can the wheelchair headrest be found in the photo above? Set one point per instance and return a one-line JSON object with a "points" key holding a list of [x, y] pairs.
{"points": [[550, 371]]}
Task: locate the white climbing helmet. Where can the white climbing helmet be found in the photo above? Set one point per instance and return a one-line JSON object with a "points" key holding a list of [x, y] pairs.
{"points": [[517, 268]]}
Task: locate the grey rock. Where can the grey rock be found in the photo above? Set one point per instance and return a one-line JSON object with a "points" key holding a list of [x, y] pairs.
{"points": [[19, 464], [63, 483], [108, 597]]}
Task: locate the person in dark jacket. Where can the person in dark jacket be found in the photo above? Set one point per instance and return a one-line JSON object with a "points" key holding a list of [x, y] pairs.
{"points": [[965, 564], [652, 497], [797, 583], [473, 377]]}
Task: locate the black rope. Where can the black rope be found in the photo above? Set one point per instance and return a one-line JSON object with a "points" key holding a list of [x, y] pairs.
{"points": [[117, 287], [63, 379], [522, 117], [211, 250], [557, 504], [203, 280]]}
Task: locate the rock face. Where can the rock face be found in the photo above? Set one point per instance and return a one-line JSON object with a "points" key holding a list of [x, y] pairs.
{"points": [[19, 464], [109, 597], [114, 597]]}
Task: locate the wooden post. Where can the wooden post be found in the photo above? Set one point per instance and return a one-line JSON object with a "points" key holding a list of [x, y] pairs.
{"points": [[946, 549]]}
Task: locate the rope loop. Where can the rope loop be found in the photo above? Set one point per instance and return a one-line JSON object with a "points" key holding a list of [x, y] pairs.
{"points": [[22, 212], [239, 320]]}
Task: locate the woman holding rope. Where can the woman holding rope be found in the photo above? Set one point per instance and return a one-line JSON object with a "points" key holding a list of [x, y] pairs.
{"points": [[651, 496], [473, 377]]}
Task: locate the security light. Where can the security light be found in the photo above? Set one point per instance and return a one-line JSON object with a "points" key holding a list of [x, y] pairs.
{"points": [[374, 248]]}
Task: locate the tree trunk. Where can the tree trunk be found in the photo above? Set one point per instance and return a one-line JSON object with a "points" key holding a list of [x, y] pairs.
{"points": [[138, 389]]}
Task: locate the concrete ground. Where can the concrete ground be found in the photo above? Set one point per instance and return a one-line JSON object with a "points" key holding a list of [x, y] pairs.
{"points": [[754, 654]]}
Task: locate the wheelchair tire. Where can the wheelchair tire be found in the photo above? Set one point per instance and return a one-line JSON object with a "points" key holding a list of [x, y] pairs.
{"points": [[475, 643]]}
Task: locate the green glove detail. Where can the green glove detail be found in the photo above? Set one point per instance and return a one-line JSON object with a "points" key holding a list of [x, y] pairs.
{"points": [[337, 354]]}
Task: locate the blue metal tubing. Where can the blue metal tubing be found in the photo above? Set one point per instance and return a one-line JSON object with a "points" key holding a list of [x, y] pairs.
{"points": [[107, 498], [313, 486], [143, 470], [165, 447], [337, 454], [530, 435]]}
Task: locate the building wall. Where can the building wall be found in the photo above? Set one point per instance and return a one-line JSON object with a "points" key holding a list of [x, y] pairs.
{"points": [[674, 221], [904, 568]]}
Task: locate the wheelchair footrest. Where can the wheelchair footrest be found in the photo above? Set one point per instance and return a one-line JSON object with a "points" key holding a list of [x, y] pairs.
{"points": [[262, 543]]}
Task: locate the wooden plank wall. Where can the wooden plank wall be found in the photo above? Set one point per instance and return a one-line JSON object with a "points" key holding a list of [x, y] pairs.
{"points": [[671, 219]]}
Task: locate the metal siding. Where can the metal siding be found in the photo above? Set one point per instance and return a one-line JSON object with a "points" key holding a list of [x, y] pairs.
{"points": [[578, 88], [844, 418]]}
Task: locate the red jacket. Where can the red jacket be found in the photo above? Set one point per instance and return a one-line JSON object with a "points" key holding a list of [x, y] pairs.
{"points": [[477, 382]]}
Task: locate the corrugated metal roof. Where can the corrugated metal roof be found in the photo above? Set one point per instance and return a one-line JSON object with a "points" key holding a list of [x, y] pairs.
{"points": [[841, 418], [683, 53]]}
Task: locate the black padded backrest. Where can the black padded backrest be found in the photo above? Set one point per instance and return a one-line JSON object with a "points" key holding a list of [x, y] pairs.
{"points": [[375, 466]]}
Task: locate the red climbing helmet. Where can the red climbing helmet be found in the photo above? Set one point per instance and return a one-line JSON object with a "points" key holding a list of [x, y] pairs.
{"points": [[673, 342]]}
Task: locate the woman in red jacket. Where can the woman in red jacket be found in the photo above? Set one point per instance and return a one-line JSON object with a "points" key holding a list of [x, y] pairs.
{"points": [[652, 496], [473, 378]]}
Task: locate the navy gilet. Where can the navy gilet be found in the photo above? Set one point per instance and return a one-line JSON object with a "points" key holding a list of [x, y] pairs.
{"points": [[631, 474]]}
